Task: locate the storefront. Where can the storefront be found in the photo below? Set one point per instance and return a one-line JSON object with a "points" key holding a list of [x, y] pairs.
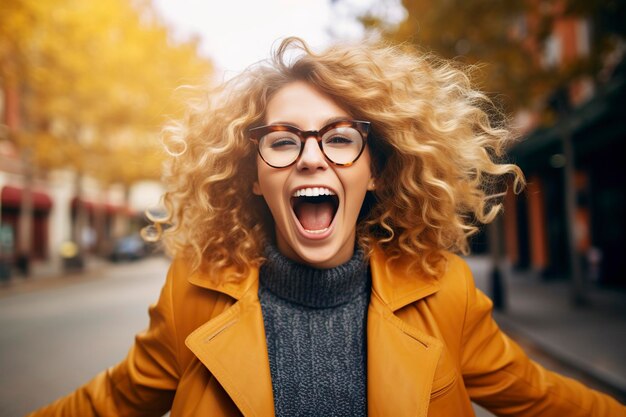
{"points": [[536, 223], [11, 201]]}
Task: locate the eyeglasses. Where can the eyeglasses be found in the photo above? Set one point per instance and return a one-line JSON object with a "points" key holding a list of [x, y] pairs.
{"points": [[280, 145]]}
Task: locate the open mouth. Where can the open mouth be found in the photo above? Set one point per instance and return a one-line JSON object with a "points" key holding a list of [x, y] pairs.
{"points": [[315, 208]]}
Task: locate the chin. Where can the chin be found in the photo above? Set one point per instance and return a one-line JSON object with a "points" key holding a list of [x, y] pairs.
{"points": [[321, 258], [324, 255]]}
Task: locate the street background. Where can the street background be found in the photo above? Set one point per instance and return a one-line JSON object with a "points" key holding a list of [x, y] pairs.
{"points": [[85, 88], [58, 333]]}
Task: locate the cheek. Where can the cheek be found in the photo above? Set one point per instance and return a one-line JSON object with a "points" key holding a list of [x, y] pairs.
{"points": [[270, 184], [356, 188]]}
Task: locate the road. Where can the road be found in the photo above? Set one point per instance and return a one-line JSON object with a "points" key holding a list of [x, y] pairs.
{"points": [[56, 336]]}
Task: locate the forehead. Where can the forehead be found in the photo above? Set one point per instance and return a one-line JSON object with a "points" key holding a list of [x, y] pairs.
{"points": [[302, 105]]}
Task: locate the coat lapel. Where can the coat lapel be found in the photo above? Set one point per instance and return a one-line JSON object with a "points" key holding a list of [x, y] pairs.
{"points": [[401, 363], [401, 360], [233, 347], [397, 284]]}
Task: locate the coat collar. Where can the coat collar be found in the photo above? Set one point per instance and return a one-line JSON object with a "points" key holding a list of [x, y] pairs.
{"points": [[401, 364], [233, 346], [394, 282], [399, 355], [228, 282]]}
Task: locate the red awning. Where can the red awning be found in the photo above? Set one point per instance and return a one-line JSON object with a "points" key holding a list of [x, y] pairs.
{"points": [[91, 206], [12, 197], [113, 209]]}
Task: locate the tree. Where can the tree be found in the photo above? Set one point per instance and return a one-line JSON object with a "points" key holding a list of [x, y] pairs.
{"points": [[95, 80], [507, 40], [92, 71]]}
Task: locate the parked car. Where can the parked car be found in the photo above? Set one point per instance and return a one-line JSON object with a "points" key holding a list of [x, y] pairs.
{"points": [[128, 248]]}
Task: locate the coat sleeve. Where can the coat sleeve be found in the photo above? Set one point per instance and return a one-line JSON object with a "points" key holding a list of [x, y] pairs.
{"points": [[500, 377], [143, 384]]}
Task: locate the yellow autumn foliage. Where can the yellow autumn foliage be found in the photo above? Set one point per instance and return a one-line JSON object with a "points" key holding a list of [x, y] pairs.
{"points": [[95, 81]]}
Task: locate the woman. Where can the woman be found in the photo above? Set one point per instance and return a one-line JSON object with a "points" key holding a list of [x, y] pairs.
{"points": [[315, 203]]}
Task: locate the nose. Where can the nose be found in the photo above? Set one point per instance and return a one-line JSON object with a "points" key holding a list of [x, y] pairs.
{"points": [[312, 157]]}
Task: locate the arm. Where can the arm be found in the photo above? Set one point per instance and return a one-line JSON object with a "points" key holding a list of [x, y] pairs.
{"points": [[143, 384], [500, 377]]}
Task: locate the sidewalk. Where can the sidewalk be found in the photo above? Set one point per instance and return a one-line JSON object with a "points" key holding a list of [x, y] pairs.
{"points": [[591, 339], [49, 274]]}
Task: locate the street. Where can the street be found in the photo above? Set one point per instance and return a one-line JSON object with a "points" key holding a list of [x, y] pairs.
{"points": [[55, 337]]}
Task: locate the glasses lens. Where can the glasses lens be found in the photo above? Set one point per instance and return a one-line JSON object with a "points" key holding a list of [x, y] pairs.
{"points": [[280, 149], [342, 145]]}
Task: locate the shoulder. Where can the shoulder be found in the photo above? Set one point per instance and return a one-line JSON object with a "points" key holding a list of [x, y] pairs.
{"points": [[178, 278], [193, 301], [456, 283], [456, 279], [455, 267], [399, 284], [180, 268], [457, 286], [442, 312], [193, 291]]}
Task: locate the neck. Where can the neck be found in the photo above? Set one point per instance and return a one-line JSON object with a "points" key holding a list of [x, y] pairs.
{"points": [[312, 287]]}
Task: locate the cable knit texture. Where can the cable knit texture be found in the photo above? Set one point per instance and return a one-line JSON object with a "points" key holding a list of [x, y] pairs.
{"points": [[315, 329]]}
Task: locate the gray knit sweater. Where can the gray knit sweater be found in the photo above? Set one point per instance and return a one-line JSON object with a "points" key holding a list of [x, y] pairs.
{"points": [[315, 328]]}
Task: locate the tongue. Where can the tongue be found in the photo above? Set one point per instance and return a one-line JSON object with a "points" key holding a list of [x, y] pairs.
{"points": [[315, 216]]}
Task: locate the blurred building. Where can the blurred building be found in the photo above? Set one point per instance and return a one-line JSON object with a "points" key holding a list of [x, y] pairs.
{"points": [[41, 209], [11, 197], [53, 213], [39, 214], [582, 152]]}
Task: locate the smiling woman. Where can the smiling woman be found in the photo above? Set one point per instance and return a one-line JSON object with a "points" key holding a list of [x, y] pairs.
{"points": [[314, 204], [314, 231], [428, 137]]}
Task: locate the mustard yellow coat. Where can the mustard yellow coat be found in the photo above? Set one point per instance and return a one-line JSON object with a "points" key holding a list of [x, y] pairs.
{"points": [[431, 346]]}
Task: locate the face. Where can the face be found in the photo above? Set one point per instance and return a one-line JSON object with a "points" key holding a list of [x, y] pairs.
{"points": [[318, 231]]}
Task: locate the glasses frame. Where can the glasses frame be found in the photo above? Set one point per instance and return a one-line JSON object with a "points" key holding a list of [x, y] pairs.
{"points": [[257, 133]]}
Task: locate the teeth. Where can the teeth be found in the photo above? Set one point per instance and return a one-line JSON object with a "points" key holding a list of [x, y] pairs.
{"points": [[312, 192], [316, 232]]}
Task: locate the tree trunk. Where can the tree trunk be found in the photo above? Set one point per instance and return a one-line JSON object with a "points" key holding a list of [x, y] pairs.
{"points": [[25, 222], [79, 225]]}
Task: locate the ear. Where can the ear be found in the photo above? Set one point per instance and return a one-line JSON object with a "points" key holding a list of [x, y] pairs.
{"points": [[256, 188], [371, 185]]}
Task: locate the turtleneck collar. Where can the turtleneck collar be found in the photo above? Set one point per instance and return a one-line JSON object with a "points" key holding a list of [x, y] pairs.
{"points": [[311, 287]]}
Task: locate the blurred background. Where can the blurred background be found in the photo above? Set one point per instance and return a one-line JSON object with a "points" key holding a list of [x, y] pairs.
{"points": [[86, 86]]}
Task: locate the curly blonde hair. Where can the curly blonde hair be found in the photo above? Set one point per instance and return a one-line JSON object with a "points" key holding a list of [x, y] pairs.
{"points": [[434, 147]]}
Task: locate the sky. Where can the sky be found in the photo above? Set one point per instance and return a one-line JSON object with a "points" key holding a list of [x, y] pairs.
{"points": [[238, 33]]}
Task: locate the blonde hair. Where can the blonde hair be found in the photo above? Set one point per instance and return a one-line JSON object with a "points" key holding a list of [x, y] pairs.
{"points": [[433, 146]]}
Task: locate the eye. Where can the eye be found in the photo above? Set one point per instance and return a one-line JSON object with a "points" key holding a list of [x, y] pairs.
{"points": [[338, 140], [283, 143], [342, 137], [280, 141]]}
